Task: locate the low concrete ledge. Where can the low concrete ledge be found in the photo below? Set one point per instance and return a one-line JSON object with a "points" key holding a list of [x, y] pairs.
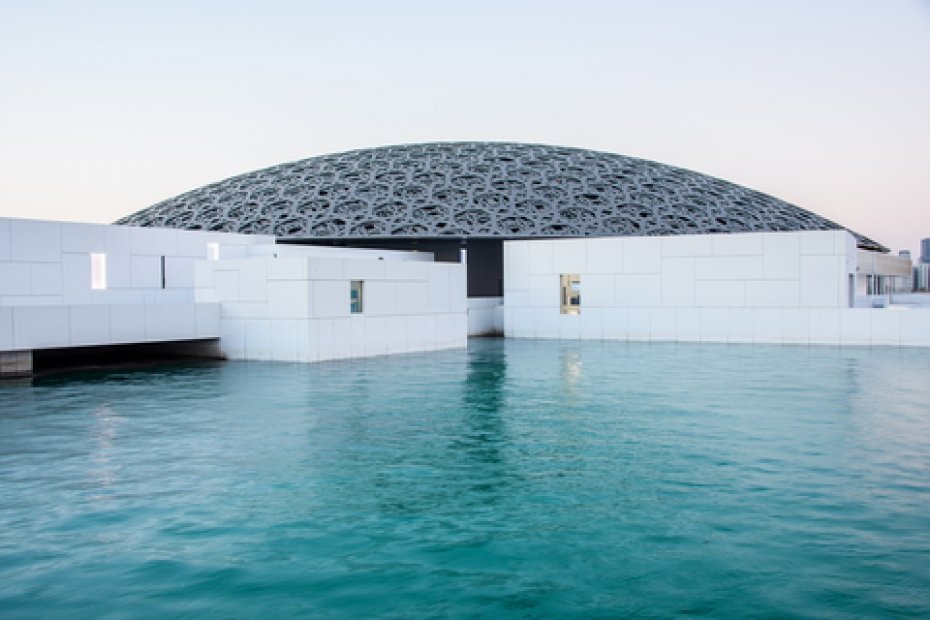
{"points": [[14, 364]]}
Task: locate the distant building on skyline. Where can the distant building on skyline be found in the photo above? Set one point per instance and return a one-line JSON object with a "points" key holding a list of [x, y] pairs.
{"points": [[925, 251], [922, 277]]}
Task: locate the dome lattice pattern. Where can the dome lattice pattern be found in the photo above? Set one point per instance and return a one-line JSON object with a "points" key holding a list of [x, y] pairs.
{"points": [[477, 190]]}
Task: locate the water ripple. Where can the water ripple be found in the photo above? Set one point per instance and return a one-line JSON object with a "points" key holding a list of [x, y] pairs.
{"points": [[514, 479]]}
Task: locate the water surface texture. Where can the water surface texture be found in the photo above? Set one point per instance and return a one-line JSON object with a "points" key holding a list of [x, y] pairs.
{"points": [[516, 479]]}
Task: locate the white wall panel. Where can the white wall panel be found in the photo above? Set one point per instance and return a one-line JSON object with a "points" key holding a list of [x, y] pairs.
{"points": [[636, 291], [819, 284], [885, 327], [638, 324], [83, 237], [6, 328], [288, 299], [76, 278], [407, 270], [686, 246], [226, 283], [773, 293], [35, 241], [145, 271], [439, 292], [615, 323], [598, 291], [781, 255], [546, 323], [569, 255], [728, 268], [45, 278], [855, 326], [688, 324], [795, 325], [678, 282], [364, 269], [714, 324], [767, 325], [540, 257], [153, 241], [259, 344], [737, 244], [740, 326], [207, 320], [376, 336], [127, 323], [194, 243], [720, 293], [287, 269], [4, 239], [30, 300], [89, 325], [325, 268], [15, 279], [915, 327], [170, 322], [285, 341], [819, 242], [663, 324], [824, 325], [419, 331], [253, 280], [204, 274], [380, 298], [37, 327], [232, 338], [118, 240], [458, 287], [642, 255], [243, 309], [397, 337], [179, 272], [569, 326], [516, 266], [518, 322], [592, 324], [412, 297], [604, 256], [544, 290]]}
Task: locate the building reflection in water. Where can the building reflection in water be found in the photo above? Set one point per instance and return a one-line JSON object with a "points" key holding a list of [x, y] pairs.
{"points": [[104, 470]]}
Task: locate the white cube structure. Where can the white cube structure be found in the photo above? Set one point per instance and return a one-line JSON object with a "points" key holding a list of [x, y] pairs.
{"points": [[301, 309], [781, 287]]}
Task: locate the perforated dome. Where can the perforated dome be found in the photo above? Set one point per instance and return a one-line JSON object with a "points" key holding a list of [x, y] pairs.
{"points": [[477, 190]]}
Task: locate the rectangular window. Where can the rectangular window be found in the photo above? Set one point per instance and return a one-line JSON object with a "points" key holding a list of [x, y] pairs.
{"points": [[571, 293], [355, 297], [98, 271], [163, 272], [213, 251]]}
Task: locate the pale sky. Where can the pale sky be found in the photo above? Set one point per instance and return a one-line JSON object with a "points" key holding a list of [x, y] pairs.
{"points": [[108, 107]]}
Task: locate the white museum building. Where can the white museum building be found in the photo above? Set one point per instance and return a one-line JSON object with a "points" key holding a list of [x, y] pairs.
{"points": [[416, 248]]}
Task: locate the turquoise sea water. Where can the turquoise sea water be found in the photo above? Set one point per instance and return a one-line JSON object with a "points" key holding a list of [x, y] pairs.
{"points": [[516, 479]]}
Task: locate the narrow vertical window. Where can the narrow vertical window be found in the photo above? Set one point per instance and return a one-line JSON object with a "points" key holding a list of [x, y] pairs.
{"points": [[213, 251], [571, 293], [355, 297], [98, 271], [163, 272]]}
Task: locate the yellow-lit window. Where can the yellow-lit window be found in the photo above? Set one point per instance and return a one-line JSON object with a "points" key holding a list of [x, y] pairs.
{"points": [[571, 293]]}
